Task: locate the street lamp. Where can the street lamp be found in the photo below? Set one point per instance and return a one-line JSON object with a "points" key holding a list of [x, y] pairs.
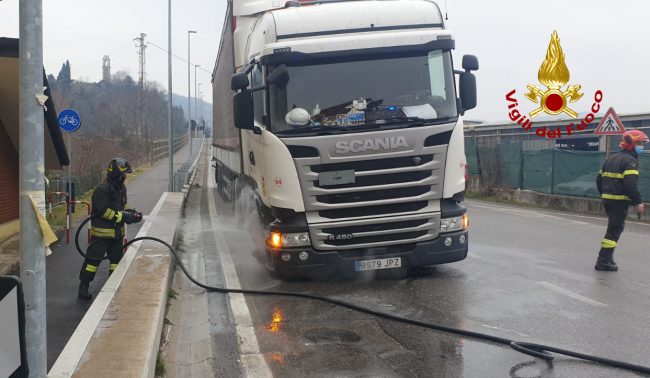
{"points": [[170, 130], [189, 93]]}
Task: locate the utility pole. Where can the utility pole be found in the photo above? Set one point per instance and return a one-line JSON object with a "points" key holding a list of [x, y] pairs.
{"points": [[141, 46], [189, 93], [170, 131], [31, 148]]}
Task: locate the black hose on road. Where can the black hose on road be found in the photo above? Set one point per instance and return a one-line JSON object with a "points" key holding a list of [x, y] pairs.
{"points": [[535, 350]]}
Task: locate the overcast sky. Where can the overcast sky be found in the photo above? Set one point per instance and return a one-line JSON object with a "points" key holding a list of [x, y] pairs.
{"points": [[606, 43]]}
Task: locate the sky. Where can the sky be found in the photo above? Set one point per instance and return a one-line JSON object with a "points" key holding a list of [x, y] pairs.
{"points": [[83, 31], [606, 44]]}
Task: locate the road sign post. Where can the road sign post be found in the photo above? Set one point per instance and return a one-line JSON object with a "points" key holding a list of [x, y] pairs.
{"points": [[69, 121], [608, 126]]}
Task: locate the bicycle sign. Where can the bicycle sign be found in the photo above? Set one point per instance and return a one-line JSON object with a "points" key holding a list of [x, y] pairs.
{"points": [[69, 120]]}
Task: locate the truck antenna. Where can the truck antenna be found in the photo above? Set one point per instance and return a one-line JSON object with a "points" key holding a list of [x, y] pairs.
{"points": [[446, 17]]}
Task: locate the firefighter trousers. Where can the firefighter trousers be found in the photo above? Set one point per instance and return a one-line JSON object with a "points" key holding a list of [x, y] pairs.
{"points": [[96, 250], [616, 215]]}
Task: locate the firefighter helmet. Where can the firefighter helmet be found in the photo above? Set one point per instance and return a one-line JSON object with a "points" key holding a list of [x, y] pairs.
{"points": [[118, 167], [631, 138]]}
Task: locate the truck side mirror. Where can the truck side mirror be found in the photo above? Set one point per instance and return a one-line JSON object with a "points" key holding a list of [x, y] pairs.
{"points": [[239, 81], [470, 63], [467, 91], [243, 110], [467, 83], [279, 76], [13, 352]]}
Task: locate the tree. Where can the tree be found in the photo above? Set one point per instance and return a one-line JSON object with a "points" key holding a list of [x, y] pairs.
{"points": [[64, 78]]}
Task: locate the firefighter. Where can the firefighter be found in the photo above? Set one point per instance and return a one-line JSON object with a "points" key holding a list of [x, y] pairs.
{"points": [[617, 184], [107, 230]]}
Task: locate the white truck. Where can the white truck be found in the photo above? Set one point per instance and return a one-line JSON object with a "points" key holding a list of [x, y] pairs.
{"points": [[338, 132]]}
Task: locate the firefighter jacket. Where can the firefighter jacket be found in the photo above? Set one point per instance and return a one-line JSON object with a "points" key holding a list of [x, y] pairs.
{"points": [[619, 177], [108, 202]]}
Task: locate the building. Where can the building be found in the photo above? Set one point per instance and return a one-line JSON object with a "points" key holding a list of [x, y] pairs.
{"points": [[505, 132], [56, 154]]}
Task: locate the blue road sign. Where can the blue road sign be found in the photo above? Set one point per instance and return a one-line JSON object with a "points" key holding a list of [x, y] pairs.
{"points": [[69, 120]]}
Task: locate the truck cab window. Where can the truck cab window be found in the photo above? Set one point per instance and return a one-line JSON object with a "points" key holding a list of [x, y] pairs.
{"points": [[350, 95], [257, 80]]}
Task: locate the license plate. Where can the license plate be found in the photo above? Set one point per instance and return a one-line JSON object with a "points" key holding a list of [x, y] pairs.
{"points": [[389, 263], [336, 178]]}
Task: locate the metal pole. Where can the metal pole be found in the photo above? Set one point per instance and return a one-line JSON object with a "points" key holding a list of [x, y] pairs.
{"points": [[195, 105], [31, 149], [189, 93], [170, 131], [202, 120], [69, 188]]}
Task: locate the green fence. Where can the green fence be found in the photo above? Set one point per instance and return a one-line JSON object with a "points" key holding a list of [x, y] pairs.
{"points": [[472, 157], [537, 171], [511, 164], [561, 172]]}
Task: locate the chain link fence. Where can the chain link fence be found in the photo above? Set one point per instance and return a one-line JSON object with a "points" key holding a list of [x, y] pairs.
{"points": [[550, 171]]}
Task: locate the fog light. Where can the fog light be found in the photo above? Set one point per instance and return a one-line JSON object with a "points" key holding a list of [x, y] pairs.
{"points": [[448, 241], [462, 239], [303, 255], [286, 256]]}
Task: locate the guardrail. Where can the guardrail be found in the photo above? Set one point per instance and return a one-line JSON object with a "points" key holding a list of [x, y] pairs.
{"points": [[183, 174], [160, 148]]}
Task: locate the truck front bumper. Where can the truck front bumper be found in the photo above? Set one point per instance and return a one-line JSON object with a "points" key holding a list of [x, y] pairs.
{"points": [[328, 263]]}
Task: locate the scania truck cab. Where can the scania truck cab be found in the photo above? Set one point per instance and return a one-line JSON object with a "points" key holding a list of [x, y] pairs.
{"points": [[338, 133]]}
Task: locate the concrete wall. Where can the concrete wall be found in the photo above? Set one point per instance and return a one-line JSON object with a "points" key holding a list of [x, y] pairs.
{"points": [[572, 204]]}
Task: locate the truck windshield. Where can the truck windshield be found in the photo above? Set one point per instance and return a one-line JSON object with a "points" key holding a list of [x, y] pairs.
{"points": [[370, 94]]}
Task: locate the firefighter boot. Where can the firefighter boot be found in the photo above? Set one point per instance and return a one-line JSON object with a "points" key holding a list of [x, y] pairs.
{"points": [[83, 291], [606, 261]]}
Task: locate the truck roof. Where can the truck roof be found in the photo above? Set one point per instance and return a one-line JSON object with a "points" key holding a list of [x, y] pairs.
{"points": [[355, 16]]}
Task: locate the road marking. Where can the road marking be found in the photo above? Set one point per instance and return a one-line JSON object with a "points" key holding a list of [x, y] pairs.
{"points": [[571, 294], [252, 361], [556, 214]]}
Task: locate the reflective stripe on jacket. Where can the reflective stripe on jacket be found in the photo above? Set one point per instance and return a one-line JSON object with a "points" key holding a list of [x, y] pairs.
{"points": [[619, 177]]}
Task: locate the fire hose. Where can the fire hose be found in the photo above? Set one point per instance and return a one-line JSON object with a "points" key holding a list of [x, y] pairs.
{"points": [[536, 350]]}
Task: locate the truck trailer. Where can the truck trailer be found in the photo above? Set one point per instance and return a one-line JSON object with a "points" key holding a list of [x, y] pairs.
{"points": [[338, 134]]}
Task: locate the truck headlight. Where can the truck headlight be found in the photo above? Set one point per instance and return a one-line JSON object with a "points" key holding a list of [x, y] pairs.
{"points": [[299, 239], [454, 223]]}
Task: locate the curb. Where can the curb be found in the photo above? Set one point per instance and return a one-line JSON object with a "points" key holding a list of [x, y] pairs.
{"points": [[128, 313]]}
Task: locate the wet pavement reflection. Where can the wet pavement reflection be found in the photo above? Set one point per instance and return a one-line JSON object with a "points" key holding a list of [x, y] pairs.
{"points": [[501, 289]]}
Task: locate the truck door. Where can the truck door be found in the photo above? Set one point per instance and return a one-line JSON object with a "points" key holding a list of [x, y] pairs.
{"points": [[253, 144]]}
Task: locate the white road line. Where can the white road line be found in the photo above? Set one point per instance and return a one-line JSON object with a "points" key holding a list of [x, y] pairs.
{"points": [[557, 214], [252, 361], [571, 294]]}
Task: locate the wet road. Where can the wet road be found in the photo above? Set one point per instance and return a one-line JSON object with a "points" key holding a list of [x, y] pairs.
{"points": [[529, 277], [64, 310]]}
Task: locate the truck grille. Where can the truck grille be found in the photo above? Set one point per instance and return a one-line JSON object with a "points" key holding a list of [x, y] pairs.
{"points": [[392, 201]]}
